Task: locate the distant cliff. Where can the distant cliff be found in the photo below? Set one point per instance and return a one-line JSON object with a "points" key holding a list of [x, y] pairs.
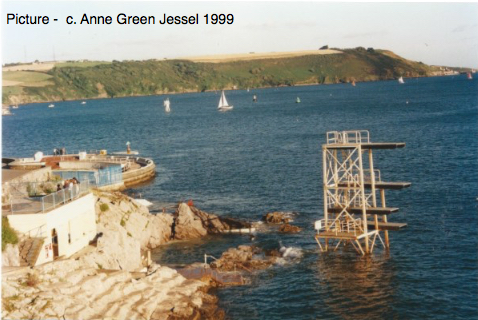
{"points": [[71, 81]]}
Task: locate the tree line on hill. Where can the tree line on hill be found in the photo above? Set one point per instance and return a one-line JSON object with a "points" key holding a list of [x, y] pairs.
{"points": [[135, 78]]}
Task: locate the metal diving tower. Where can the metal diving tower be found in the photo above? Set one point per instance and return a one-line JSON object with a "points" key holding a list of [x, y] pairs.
{"points": [[351, 183]]}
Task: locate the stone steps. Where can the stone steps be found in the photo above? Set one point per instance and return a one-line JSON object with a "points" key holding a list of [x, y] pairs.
{"points": [[30, 250]]}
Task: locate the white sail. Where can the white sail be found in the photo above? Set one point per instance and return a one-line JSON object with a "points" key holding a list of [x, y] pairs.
{"points": [[400, 80], [166, 105], [222, 101], [223, 104]]}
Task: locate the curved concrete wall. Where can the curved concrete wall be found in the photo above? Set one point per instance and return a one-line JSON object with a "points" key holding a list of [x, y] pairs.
{"points": [[145, 173]]}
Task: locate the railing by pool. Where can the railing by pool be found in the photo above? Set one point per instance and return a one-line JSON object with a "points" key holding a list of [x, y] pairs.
{"points": [[45, 203]]}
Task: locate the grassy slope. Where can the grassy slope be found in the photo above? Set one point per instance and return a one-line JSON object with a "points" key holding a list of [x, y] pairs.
{"points": [[25, 76], [155, 77], [8, 234]]}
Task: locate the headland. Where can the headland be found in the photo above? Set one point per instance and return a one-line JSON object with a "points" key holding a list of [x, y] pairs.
{"points": [[74, 80]]}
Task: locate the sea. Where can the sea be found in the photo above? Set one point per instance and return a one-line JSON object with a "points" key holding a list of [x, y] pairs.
{"points": [[266, 156]]}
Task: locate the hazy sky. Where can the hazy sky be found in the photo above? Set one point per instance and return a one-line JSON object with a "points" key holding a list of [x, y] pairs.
{"points": [[434, 33]]}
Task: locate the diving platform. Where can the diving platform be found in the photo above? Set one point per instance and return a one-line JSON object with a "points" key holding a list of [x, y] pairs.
{"points": [[369, 210], [390, 226], [381, 185], [371, 145], [344, 235], [388, 185], [355, 210]]}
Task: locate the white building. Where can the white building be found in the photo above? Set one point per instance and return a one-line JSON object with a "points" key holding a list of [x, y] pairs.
{"points": [[62, 231]]}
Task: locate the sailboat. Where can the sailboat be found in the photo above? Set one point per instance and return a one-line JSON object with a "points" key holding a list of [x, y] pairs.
{"points": [[400, 80], [166, 105], [468, 75], [297, 100], [353, 83], [254, 98], [223, 105]]}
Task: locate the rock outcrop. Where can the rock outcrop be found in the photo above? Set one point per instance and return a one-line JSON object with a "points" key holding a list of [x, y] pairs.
{"points": [[122, 212], [186, 224], [250, 258], [243, 258], [190, 223], [277, 217], [11, 256], [283, 218], [288, 228], [115, 250]]}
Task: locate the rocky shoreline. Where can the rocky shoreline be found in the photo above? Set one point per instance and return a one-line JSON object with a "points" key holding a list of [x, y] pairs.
{"points": [[69, 289], [114, 278]]}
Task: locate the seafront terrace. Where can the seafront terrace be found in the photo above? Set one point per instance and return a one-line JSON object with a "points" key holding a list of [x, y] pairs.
{"points": [[29, 197], [133, 169], [32, 183]]}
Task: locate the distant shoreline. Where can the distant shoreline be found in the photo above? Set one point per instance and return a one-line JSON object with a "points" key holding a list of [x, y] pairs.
{"points": [[192, 91], [80, 80], [4, 105]]}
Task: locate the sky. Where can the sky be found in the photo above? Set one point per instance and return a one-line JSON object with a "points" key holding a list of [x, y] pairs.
{"points": [[433, 33]]}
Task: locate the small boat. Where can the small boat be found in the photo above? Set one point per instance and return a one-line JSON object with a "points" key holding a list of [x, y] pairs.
{"points": [[469, 76], [223, 105], [254, 98], [167, 104], [400, 80], [297, 100], [353, 83], [15, 106], [51, 105], [83, 102]]}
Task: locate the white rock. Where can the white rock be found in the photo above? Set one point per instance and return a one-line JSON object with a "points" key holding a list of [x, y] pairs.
{"points": [[11, 256]]}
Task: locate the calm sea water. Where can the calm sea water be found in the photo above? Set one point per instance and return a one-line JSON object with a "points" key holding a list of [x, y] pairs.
{"points": [[266, 156]]}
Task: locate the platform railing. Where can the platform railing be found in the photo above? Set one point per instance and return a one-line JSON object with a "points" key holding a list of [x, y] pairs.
{"points": [[367, 175], [348, 198], [63, 196], [346, 137], [37, 232], [351, 226], [42, 204]]}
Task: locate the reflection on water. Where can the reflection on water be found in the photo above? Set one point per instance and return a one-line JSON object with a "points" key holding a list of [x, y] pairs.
{"points": [[355, 288]]}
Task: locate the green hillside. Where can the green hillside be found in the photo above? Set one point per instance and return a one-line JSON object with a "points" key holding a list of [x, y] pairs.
{"points": [[132, 78]]}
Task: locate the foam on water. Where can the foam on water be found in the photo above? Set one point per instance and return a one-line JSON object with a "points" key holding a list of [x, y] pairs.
{"points": [[289, 254]]}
